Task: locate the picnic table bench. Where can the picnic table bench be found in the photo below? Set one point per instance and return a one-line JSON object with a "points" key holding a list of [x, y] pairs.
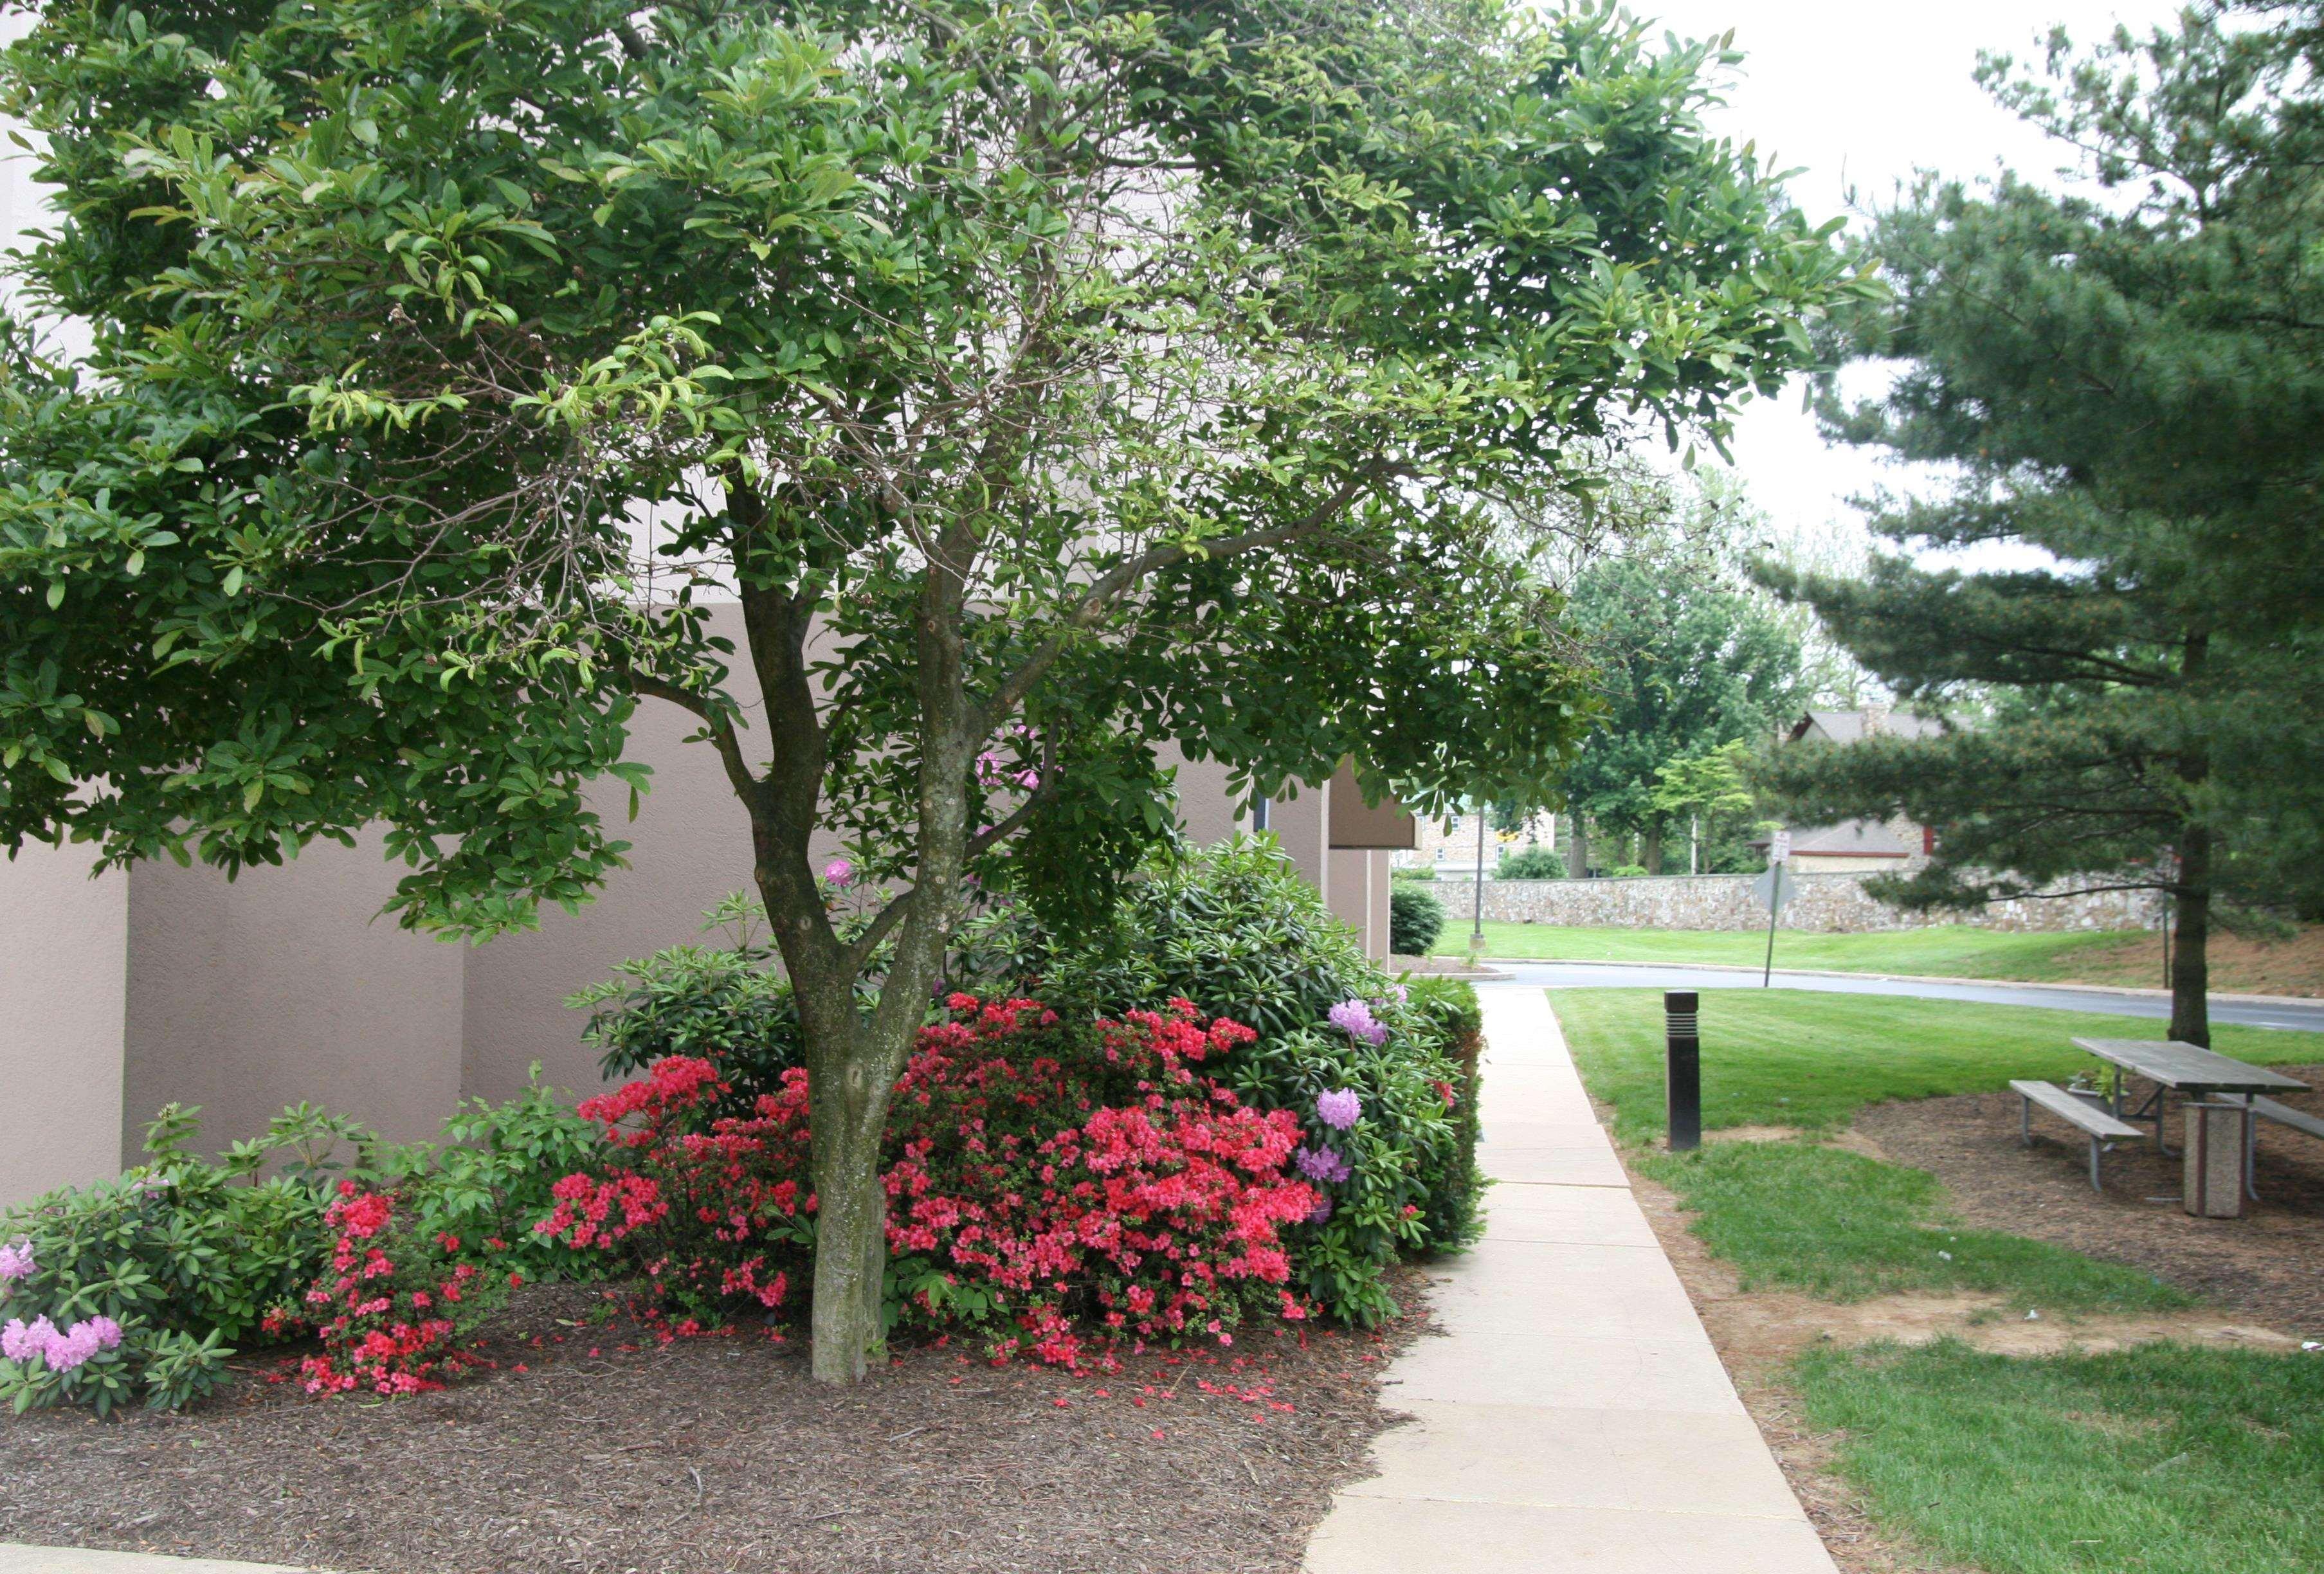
{"points": [[2087, 1112], [2198, 1075]]}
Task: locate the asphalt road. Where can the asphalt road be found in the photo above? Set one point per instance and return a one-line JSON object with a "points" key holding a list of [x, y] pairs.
{"points": [[1579, 975]]}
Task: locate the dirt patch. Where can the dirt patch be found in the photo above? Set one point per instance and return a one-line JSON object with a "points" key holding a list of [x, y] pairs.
{"points": [[1764, 1330], [2262, 1268], [594, 1449], [2294, 966]]}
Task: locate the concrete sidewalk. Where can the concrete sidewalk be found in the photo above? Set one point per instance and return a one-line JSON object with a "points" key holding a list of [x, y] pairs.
{"points": [[1575, 1416], [15, 1557]]}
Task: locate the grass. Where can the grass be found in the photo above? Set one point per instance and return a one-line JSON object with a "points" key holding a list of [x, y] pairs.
{"points": [[2164, 1459], [1844, 1227], [2120, 958], [1944, 951], [1799, 1057]]}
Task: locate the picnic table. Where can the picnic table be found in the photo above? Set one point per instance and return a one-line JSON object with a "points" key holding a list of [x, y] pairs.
{"points": [[2196, 1074]]}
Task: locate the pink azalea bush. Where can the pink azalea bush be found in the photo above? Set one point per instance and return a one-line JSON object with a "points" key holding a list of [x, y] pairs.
{"points": [[1054, 1189], [62, 1349], [396, 1309]]}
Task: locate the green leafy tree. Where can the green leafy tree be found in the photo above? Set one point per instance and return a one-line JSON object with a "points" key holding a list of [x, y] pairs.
{"points": [[1044, 383], [1688, 660], [2125, 379], [1711, 793]]}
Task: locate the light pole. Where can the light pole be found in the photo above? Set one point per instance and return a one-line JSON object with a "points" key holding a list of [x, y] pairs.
{"points": [[1476, 923]]}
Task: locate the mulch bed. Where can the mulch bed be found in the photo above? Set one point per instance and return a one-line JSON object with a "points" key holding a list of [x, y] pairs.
{"points": [[2268, 1265], [591, 1447]]}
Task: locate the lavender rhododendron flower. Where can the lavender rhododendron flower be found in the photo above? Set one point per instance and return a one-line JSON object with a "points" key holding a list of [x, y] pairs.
{"points": [[16, 1262], [20, 1342], [840, 873], [1322, 1163], [1321, 1211], [1354, 1017], [1338, 1109]]}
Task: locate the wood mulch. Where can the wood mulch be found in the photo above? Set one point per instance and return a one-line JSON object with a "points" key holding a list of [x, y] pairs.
{"points": [[2268, 1265], [591, 1447]]}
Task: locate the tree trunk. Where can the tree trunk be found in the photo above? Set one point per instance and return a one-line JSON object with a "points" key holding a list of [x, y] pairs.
{"points": [[2190, 961], [2190, 964], [851, 1257], [1652, 851], [1577, 861]]}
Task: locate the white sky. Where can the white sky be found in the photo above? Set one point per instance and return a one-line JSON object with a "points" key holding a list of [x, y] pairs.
{"points": [[1858, 96]]}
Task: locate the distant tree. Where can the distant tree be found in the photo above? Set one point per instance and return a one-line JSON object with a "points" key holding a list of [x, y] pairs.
{"points": [[1046, 382], [2127, 380], [1711, 794], [1689, 660], [1530, 863]]}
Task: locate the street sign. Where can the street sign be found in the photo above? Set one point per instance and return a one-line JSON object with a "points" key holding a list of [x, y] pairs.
{"points": [[1779, 849], [1771, 891]]}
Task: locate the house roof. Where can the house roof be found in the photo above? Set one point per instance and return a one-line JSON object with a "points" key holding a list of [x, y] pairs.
{"points": [[1848, 839], [1848, 726]]}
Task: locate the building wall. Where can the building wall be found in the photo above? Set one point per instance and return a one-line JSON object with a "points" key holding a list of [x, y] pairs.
{"points": [[1819, 903], [690, 848], [62, 1000], [282, 986]]}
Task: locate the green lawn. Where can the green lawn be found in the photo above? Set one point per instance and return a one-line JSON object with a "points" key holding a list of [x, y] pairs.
{"points": [[1946, 951], [2163, 1458], [1800, 1057], [1805, 1216]]}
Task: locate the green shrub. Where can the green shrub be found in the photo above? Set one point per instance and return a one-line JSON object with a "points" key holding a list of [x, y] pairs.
{"points": [[1415, 920], [727, 1006], [1533, 863], [1449, 1008], [1423, 872], [185, 1257], [488, 1178], [1622, 871]]}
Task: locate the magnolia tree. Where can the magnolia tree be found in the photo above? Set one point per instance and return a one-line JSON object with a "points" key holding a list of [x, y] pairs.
{"points": [[1045, 382]]}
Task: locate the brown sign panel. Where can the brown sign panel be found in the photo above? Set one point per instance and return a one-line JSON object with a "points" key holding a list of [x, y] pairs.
{"points": [[1356, 825]]}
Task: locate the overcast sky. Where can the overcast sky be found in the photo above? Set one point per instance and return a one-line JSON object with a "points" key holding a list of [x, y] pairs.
{"points": [[1858, 96]]}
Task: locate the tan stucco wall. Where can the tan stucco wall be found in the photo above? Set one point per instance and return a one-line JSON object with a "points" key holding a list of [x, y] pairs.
{"points": [[1299, 819], [690, 846], [281, 986], [1349, 892], [65, 939], [1210, 812]]}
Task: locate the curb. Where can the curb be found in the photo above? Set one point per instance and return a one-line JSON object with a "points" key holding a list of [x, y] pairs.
{"points": [[1841, 972]]}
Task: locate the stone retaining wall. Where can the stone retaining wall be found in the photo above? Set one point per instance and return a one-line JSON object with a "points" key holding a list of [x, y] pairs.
{"points": [[1828, 903]]}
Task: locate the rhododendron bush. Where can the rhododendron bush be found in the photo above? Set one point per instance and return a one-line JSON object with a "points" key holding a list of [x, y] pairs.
{"points": [[138, 1289], [1054, 1186]]}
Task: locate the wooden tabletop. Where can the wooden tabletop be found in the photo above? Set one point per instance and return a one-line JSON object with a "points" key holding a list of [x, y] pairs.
{"points": [[2185, 1065]]}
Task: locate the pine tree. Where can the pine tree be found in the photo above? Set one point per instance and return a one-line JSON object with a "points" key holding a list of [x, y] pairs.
{"points": [[2124, 376]]}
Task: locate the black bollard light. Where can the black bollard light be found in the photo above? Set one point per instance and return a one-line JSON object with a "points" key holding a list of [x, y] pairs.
{"points": [[1683, 1075]]}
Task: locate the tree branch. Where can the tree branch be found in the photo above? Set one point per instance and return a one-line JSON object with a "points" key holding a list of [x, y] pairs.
{"points": [[717, 723]]}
